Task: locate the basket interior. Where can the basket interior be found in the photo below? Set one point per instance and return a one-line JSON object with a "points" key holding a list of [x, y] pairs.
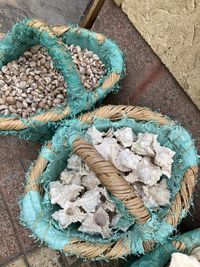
{"points": [[21, 37], [174, 137], [108, 51]]}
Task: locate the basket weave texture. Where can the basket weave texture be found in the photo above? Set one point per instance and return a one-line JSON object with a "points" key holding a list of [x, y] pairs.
{"points": [[28, 33], [149, 228]]}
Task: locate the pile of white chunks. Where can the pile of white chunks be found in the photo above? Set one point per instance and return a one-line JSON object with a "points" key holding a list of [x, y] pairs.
{"points": [[141, 160]]}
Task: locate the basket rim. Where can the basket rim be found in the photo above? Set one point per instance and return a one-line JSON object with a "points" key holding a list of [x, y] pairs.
{"points": [[182, 199], [16, 123], [185, 243]]}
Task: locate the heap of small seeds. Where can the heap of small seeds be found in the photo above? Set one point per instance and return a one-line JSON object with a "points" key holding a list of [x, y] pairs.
{"points": [[31, 83], [89, 66]]}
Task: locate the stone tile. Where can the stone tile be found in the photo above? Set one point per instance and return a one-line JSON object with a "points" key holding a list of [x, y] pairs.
{"points": [[19, 262], [20, 149], [8, 242], [166, 95], [25, 237], [139, 57], [100, 264], [73, 261], [53, 12], [45, 257], [12, 179]]}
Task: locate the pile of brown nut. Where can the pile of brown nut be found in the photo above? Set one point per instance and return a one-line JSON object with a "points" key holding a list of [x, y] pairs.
{"points": [[32, 84]]}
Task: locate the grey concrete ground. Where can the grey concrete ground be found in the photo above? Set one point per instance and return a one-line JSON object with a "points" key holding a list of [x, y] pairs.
{"points": [[51, 11]]}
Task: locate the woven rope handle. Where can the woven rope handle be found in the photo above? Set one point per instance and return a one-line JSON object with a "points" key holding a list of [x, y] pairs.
{"points": [[112, 179]]}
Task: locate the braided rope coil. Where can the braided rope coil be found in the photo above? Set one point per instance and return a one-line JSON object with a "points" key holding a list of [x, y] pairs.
{"points": [[110, 177]]}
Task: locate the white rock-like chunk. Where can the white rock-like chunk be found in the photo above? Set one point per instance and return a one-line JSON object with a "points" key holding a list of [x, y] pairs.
{"points": [[182, 260], [90, 181], [127, 160], [89, 200], [96, 223], [106, 203], [114, 153], [148, 172], [156, 195], [163, 158], [67, 216], [144, 145], [74, 163], [103, 191], [108, 206], [148, 145], [109, 133], [69, 177], [115, 220], [60, 194], [105, 147], [196, 253], [138, 187], [131, 177], [72, 191], [125, 136], [94, 136]]}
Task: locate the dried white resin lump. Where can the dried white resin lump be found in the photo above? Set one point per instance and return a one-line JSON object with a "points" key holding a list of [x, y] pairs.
{"points": [[140, 159]]}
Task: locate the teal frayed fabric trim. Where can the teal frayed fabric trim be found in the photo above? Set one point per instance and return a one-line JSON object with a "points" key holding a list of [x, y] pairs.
{"points": [[161, 255], [191, 239], [156, 229], [34, 218], [126, 220], [21, 37], [158, 258]]}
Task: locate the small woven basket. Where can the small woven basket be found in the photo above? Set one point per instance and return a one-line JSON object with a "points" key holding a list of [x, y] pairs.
{"points": [[185, 243], [28, 33], [149, 227]]}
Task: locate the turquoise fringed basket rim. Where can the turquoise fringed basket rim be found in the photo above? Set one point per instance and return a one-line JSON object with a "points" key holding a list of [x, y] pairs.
{"points": [[159, 257], [36, 209], [30, 32]]}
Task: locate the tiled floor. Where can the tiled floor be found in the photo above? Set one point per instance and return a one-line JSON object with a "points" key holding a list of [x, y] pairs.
{"points": [[148, 83], [51, 11]]}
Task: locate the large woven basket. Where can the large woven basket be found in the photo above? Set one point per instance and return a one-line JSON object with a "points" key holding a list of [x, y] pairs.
{"points": [[185, 243], [28, 33], [147, 230]]}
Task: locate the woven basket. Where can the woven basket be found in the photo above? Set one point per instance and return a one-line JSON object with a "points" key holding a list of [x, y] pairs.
{"points": [[159, 257], [28, 33], [53, 160]]}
